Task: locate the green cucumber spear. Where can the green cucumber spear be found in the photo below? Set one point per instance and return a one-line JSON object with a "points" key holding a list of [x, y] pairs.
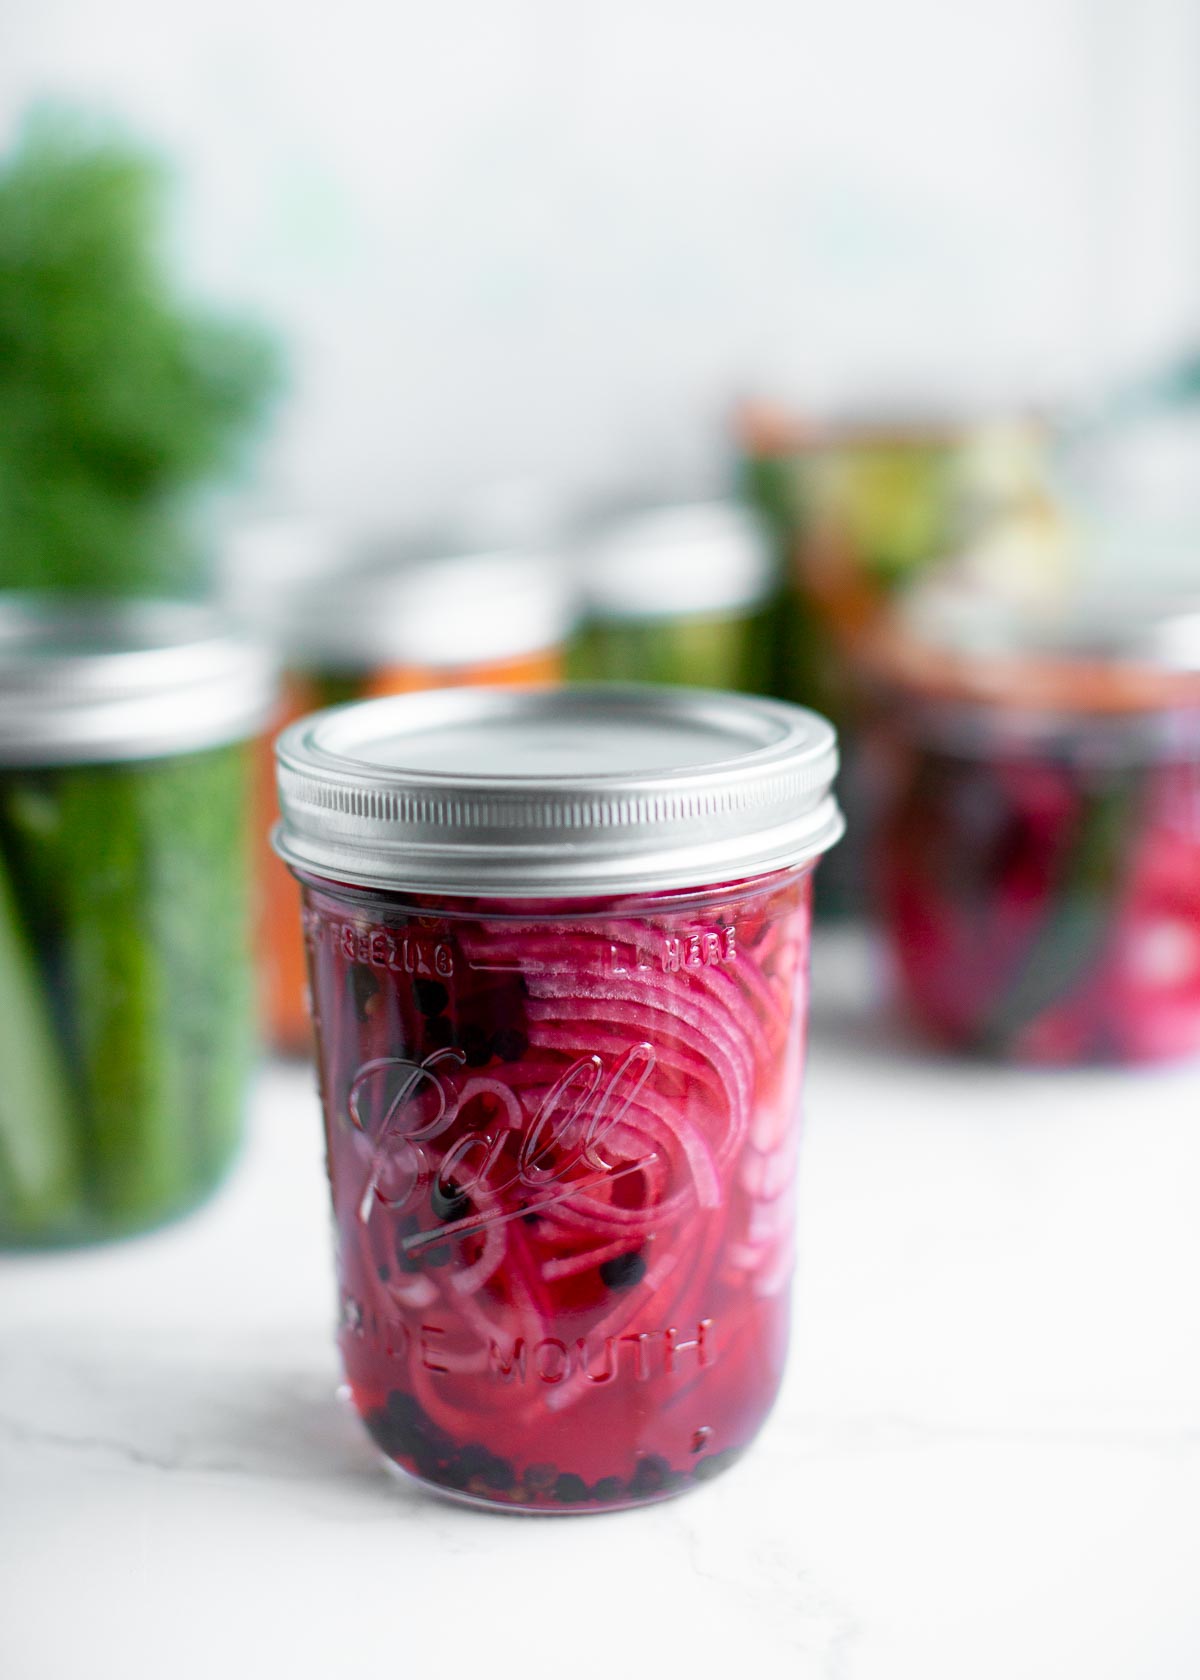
{"points": [[39, 1165]]}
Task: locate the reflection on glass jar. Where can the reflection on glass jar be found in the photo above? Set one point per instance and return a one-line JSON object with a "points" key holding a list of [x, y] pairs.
{"points": [[561, 1128], [127, 1020]]}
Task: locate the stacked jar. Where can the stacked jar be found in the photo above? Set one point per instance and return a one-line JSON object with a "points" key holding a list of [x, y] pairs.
{"points": [[677, 595], [126, 1008], [1037, 866], [420, 623]]}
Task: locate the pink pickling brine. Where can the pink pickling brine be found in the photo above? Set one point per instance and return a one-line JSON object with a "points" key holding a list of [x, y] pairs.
{"points": [[1036, 849], [1046, 910], [558, 956], [561, 1144]]}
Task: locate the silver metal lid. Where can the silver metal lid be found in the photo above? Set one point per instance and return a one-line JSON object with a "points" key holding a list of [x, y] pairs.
{"points": [[96, 681], [475, 609], [392, 606], [568, 792], [683, 561], [1110, 621]]}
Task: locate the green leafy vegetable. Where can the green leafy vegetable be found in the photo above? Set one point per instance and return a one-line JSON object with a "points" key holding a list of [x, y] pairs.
{"points": [[119, 401]]}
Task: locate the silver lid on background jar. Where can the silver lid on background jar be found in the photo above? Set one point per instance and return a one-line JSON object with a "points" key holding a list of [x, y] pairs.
{"points": [[576, 791], [477, 609], [1123, 619], [677, 562], [96, 681], [353, 602], [1118, 648]]}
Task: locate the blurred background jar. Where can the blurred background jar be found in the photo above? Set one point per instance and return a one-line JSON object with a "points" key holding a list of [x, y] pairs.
{"points": [[354, 618], [859, 509], [677, 594], [126, 1000], [1037, 855]]}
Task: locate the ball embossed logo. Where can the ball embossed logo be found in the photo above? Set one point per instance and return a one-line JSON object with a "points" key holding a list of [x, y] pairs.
{"points": [[559, 1147]]}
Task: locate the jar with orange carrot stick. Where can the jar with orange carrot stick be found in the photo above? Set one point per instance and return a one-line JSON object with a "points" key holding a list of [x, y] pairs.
{"points": [[459, 621]]}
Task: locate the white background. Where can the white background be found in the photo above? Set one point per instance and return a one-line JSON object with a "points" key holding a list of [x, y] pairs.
{"points": [[552, 239]]}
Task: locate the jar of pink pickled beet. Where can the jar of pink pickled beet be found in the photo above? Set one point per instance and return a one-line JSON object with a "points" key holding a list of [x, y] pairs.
{"points": [[1037, 856], [558, 949]]}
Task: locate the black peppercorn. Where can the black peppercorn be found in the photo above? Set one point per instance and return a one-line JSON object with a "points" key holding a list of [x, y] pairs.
{"points": [[431, 996], [448, 1201], [438, 1032], [652, 1475], [475, 1045], [509, 1044], [623, 1271]]}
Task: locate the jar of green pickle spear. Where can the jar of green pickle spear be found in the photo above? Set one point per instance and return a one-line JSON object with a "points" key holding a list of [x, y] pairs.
{"points": [[126, 1009], [677, 595]]}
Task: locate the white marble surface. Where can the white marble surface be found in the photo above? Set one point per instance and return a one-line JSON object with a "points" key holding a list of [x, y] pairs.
{"points": [[986, 1462]]}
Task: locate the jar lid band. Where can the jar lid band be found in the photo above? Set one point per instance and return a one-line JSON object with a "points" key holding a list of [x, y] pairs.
{"points": [[96, 681], [544, 793]]}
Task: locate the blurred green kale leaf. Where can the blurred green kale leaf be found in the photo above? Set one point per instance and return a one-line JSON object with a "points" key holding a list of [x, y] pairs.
{"points": [[119, 400]]}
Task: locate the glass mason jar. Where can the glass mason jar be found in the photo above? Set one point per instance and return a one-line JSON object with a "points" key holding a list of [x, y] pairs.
{"points": [[559, 953], [677, 595], [127, 1024], [459, 621], [1037, 861], [861, 509]]}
